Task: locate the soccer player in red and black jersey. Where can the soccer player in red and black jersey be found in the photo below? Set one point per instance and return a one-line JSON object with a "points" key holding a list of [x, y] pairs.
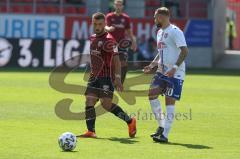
{"points": [[105, 70], [118, 25]]}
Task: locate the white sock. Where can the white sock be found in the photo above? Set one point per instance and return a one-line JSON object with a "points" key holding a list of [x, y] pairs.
{"points": [[168, 119], [157, 111]]}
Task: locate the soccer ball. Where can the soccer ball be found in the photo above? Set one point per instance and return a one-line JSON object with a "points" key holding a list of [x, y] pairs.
{"points": [[67, 141]]}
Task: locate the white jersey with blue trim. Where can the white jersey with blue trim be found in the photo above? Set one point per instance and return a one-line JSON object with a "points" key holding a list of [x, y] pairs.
{"points": [[169, 41]]}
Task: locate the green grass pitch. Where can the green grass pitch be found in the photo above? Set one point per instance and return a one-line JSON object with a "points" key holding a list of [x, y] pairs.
{"points": [[29, 127]]}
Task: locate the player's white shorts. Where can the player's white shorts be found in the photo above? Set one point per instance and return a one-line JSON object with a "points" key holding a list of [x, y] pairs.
{"points": [[172, 87]]}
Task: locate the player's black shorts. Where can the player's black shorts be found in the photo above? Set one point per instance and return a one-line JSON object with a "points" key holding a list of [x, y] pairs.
{"points": [[123, 54], [100, 86]]}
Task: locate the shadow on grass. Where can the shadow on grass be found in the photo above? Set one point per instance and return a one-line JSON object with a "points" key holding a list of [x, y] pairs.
{"points": [[191, 146], [120, 140], [69, 151], [123, 140]]}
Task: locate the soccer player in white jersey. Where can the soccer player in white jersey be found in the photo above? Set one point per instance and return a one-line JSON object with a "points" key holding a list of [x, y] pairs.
{"points": [[168, 80]]}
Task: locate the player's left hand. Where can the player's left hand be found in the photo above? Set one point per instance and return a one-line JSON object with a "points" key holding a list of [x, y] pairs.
{"points": [[118, 84], [171, 72]]}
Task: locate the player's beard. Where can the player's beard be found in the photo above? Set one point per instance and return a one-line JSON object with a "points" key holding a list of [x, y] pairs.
{"points": [[99, 32], [118, 11], [159, 25]]}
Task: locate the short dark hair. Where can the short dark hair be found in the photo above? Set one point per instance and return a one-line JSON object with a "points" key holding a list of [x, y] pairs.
{"points": [[115, 1], [98, 16], [163, 11]]}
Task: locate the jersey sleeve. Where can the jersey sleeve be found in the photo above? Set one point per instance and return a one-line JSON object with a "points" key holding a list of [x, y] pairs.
{"points": [[108, 21], [179, 38], [128, 21]]}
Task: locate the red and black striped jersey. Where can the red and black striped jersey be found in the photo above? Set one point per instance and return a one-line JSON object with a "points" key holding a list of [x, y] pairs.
{"points": [[102, 50]]}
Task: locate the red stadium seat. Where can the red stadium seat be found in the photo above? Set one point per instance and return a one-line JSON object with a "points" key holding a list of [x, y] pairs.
{"points": [[52, 9], [28, 9], [22, 1], [41, 9], [152, 3], [70, 10], [197, 4], [48, 9], [4, 1], [82, 10], [3, 9], [22, 9], [48, 1], [17, 9], [198, 9], [151, 6], [149, 12], [198, 13]]}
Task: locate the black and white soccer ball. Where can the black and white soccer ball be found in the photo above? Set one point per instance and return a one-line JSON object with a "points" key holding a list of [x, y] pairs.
{"points": [[67, 141]]}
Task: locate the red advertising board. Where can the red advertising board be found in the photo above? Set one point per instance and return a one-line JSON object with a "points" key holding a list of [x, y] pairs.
{"points": [[81, 28]]}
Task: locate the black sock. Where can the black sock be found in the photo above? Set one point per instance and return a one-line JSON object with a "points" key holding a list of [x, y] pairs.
{"points": [[117, 111], [90, 118], [123, 73]]}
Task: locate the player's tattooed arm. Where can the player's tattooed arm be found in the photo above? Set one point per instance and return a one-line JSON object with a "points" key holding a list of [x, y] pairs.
{"points": [[182, 56]]}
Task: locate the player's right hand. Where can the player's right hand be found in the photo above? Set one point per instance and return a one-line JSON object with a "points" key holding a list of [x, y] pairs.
{"points": [[118, 84], [147, 69], [111, 29]]}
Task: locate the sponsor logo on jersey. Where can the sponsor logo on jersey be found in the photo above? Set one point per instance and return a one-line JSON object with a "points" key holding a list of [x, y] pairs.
{"points": [[100, 43], [119, 25]]}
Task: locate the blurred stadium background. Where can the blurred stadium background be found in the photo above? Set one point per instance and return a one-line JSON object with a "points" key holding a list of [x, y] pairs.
{"points": [[44, 33]]}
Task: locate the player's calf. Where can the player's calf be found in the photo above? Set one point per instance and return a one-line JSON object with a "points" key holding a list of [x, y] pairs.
{"points": [[117, 111]]}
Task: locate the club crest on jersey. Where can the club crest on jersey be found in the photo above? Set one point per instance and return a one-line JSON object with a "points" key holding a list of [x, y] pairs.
{"points": [[100, 43], [112, 19], [122, 20]]}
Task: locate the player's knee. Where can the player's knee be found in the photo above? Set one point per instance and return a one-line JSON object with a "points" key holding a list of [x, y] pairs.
{"points": [[90, 100], [107, 105], [152, 95], [170, 101]]}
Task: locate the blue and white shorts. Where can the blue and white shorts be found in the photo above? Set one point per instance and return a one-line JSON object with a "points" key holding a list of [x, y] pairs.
{"points": [[172, 87]]}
